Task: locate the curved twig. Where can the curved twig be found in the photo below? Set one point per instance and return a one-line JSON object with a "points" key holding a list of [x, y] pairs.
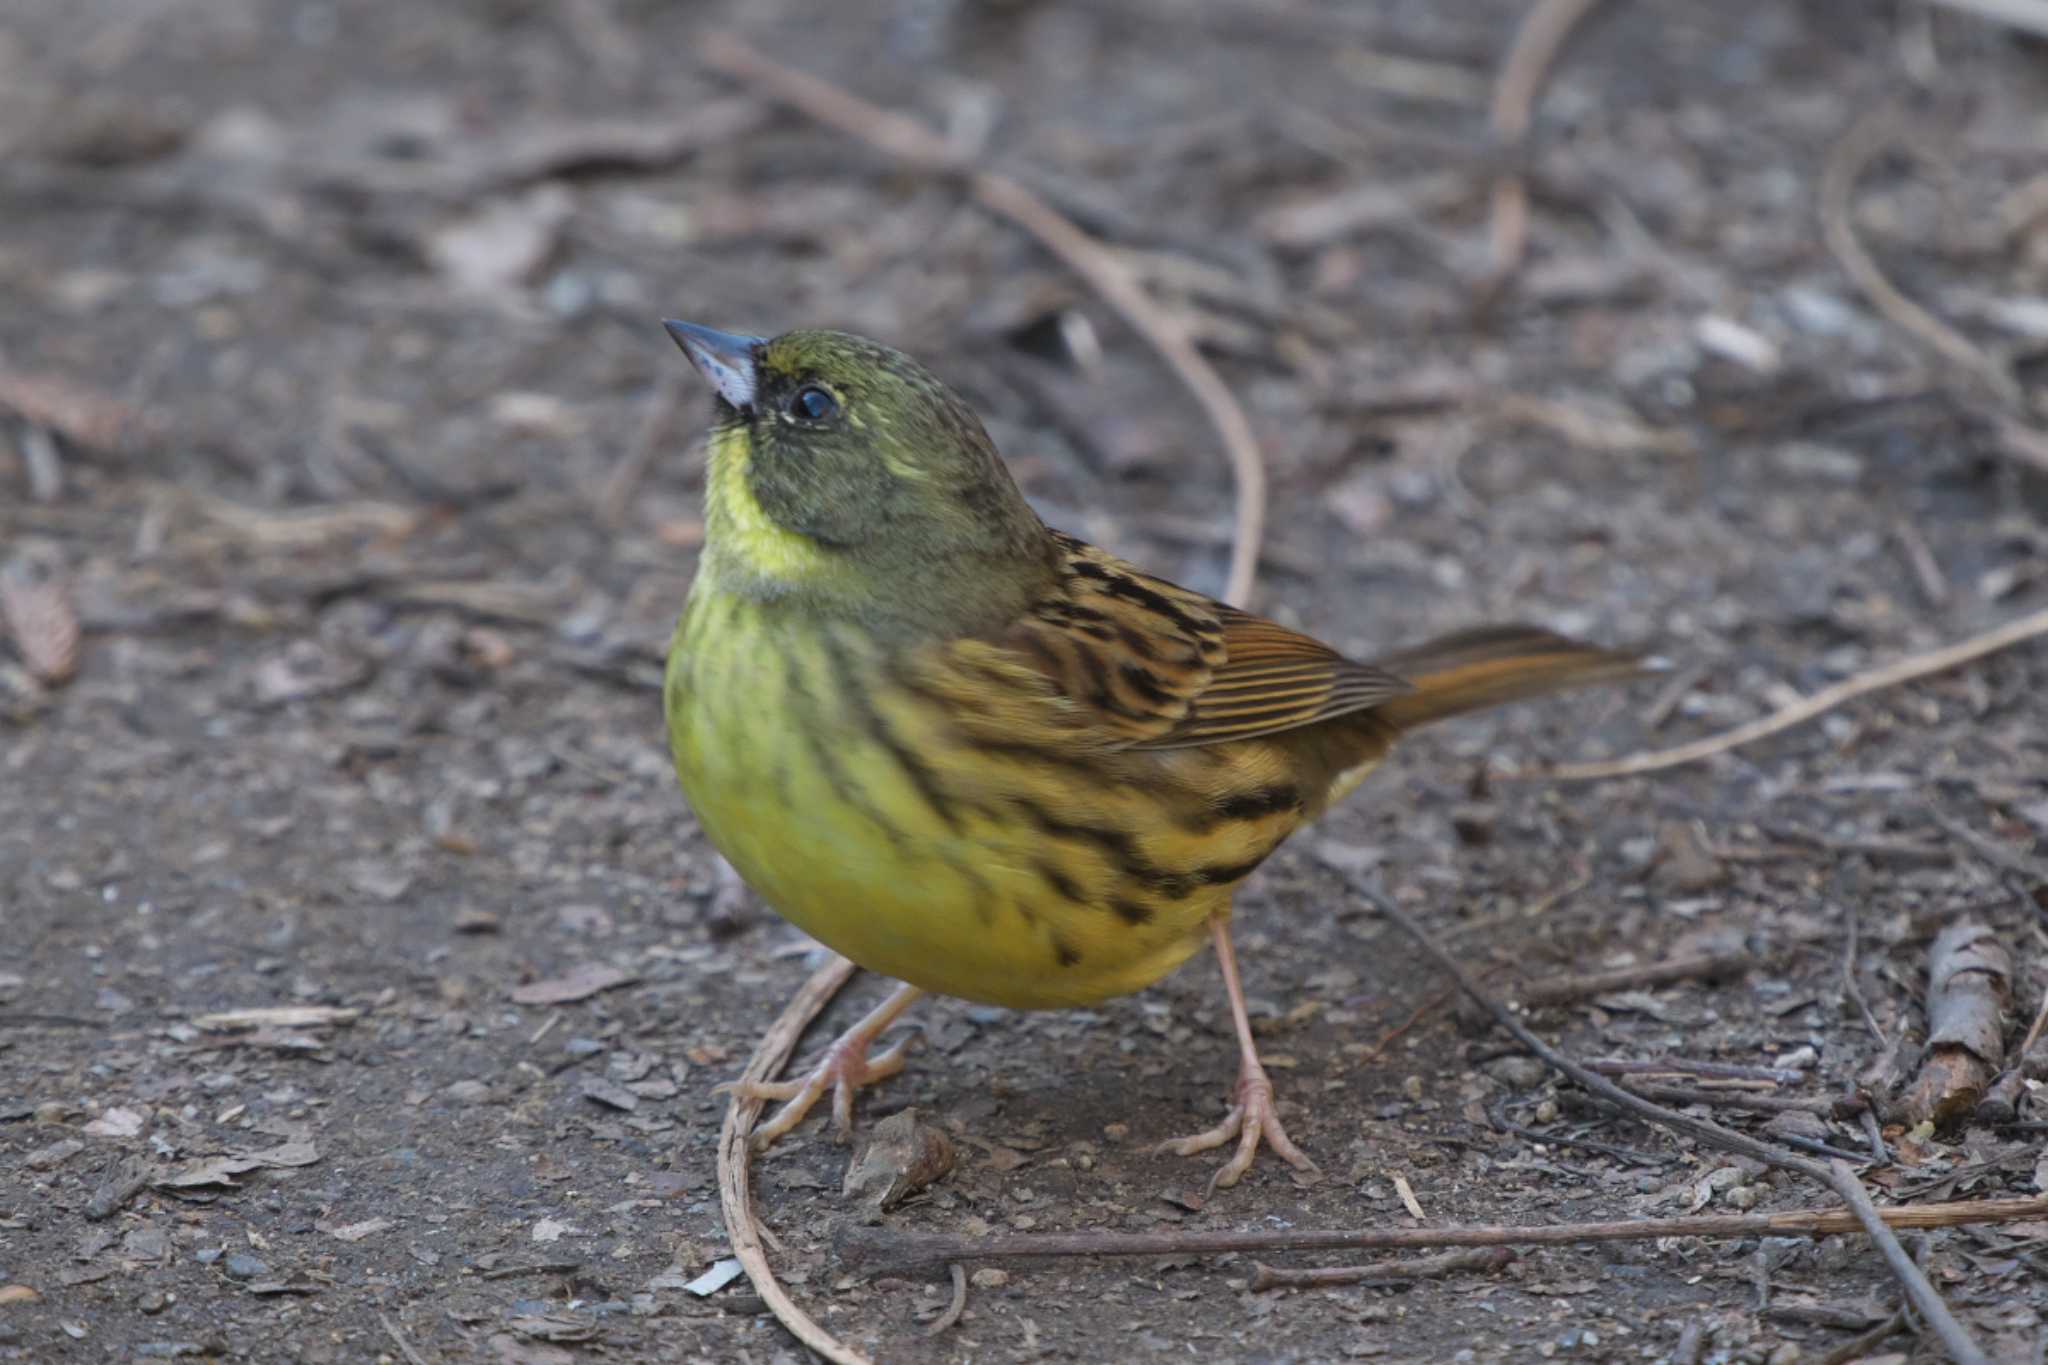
{"points": [[1835, 1174], [910, 141], [734, 1193], [954, 1309], [1891, 675], [1870, 136], [1536, 45]]}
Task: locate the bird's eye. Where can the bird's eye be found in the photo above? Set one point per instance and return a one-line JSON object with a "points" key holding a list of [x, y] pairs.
{"points": [[813, 403]]}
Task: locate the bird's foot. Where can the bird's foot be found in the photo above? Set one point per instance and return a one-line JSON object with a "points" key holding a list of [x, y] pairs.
{"points": [[1252, 1117], [844, 1068]]}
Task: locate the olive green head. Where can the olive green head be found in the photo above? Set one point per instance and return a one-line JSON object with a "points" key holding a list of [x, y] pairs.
{"points": [[846, 473]]}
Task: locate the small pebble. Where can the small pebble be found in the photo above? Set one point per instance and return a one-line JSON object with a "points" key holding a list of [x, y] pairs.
{"points": [[1516, 1073], [240, 1265]]}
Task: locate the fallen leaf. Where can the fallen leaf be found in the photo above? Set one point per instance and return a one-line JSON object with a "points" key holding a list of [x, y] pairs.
{"points": [[35, 605], [118, 1123], [221, 1170], [609, 1093], [356, 1232], [504, 243], [507, 1349], [579, 984], [901, 1156], [555, 1327], [721, 1274], [279, 1016], [1407, 1193]]}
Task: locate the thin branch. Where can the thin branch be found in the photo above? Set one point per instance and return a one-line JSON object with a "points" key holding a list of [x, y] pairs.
{"points": [[1962, 1348], [2033, 1031], [1991, 850], [397, 1335], [2031, 15], [1836, 1174], [1920, 558], [1852, 987], [1908, 669], [957, 1306], [1752, 1103], [1858, 1347], [655, 418], [1558, 990], [1687, 1066], [1497, 1116], [1866, 140], [876, 1251], [1536, 45], [734, 1193], [910, 141], [1484, 1259]]}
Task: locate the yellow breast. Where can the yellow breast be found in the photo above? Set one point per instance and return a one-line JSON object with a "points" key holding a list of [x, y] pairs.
{"points": [[841, 787]]}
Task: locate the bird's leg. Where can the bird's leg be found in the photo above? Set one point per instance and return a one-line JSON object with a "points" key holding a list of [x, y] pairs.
{"points": [[844, 1068], [1252, 1115]]}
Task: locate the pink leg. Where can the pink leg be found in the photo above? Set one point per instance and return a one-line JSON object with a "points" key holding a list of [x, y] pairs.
{"points": [[844, 1068], [1252, 1115]]}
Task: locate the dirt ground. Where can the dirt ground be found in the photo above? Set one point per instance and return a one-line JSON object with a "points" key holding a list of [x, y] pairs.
{"points": [[331, 383]]}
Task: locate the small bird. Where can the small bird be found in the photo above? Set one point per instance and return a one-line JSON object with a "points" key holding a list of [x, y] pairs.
{"points": [[979, 755]]}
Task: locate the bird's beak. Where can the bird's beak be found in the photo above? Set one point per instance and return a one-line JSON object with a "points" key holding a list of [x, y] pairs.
{"points": [[726, 358]]}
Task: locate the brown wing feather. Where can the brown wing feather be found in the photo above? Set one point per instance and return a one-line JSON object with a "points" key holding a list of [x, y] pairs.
{"points": [[1275, 679], [1156, 666], [1133, 651]]}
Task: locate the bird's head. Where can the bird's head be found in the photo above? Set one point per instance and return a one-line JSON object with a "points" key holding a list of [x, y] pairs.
{"points": [[843, 470]]}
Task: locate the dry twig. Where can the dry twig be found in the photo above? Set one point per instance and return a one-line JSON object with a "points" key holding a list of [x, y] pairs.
{"points": [[1920, 558], [734, 1193], [910, 141], [2033, 1030], [1536, 45], [2031, 15], [1904, 670], [1836, 1174], [1991, 850], [1707, 967], [397, 1335], [1605, 433], [958, 1305], [2022, 444], [1857, 1347], [1870, 137], [655, 420], [1484, 1259], [876, 1251], [1852, 988], [1686, 1066], [531, 153], [1969, 986], [1840, 1107]]}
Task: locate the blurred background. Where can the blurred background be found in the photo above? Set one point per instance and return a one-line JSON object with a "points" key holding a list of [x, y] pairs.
{"points": [[349, 489]]}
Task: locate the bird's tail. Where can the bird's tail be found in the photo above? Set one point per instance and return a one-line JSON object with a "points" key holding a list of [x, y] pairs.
{"points": [[1475, 669]]}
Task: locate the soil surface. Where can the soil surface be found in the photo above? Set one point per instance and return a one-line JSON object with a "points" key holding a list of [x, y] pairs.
{"points": [[333, 395]]}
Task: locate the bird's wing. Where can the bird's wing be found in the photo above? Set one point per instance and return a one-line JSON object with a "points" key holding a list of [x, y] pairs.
{"points": [[1145, 664]]}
